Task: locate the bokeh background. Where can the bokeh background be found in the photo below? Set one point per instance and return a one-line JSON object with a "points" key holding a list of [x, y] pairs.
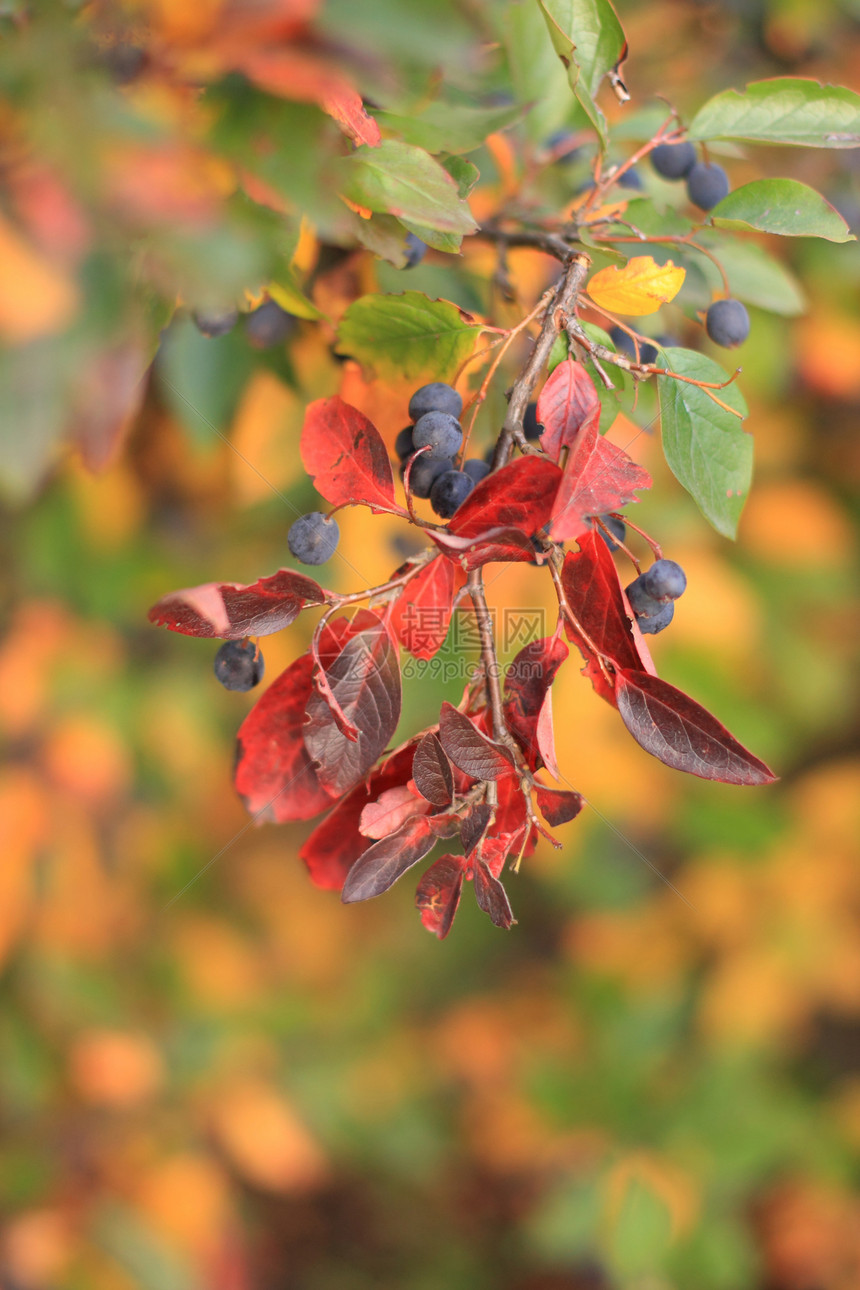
{"points": [[215, 1076]]}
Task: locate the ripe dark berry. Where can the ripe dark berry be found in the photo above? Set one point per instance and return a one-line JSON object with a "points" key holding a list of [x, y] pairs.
{"points": [[727, 323], [616, 526], [438, 431], [630, 179], [665, 580], [656, 622], [448, 491], [624, 345], [268, 325], [476, 469], [424, 470], [415, 251], [674, 160], [313, 538], [642, 602], [707, 184], [561, 145], [214, 323], [239, 665], [435, 397], [532, 428], [403, 445]]}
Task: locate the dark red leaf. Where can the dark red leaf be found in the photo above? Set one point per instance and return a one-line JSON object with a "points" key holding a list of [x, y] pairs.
{"points": [[386, 861], [566, 402], [274, 775], [594, 593], [231, 612], [493, 545], [558, 805], [518, 496], [476, 755], [527, 684], [492, 897], [678, 731], [432, 772], [346, 456], [335, 844], [438, 894], [495, 849], [361, 672], [421, 615], [474, 825]]}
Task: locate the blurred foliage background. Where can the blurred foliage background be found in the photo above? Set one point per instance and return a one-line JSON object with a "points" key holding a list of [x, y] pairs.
{"points": [[214, 1075]]}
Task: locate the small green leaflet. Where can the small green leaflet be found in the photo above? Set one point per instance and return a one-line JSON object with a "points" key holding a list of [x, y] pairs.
{"points": [[464, 173], [589, 40], [705, 446], [782, 206], [398, 179], [783, 110], [286, 291], [407, 335]]}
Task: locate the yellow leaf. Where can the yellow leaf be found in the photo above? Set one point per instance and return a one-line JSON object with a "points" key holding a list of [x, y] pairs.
{"points": [[641, 287]]}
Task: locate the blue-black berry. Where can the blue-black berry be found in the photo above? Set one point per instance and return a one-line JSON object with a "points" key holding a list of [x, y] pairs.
{"points": [[727, 323], [435, 397], [415, 251], [674, 160], [624, 345], [448, 491], [630, 179], [313, 538], [424, 471], [403, 445], [476, 469], [215, 322], [665, 580], [438, 431], [656, 622], [268, 325], [239, 665], [616, 527], [707, 184], [532, 428], [642, 602]]}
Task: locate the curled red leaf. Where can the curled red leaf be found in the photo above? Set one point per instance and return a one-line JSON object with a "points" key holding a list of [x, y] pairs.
{"points": [[438, 894], [492, 897], [558, 805], [527, 685], [232, 611], [519, 496]]}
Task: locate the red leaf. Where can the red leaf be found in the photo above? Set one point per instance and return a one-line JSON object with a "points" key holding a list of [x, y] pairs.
{"points": [[492, 897], [432, 772], [274, 775], [558, 805], [438, 894], [527, 684], [474, 825], [566, 402], [392, 808], [361, 673], [232, 612], [518, 496], [335, 844], [678, 731], [479, 757], [346, 456], [593, 591], [345, 104], [421, 614], [499, 544], [386, 861], [545, 736]]}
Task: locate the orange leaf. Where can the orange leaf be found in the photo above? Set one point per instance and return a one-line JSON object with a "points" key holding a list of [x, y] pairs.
{"points": [[641, 287]]}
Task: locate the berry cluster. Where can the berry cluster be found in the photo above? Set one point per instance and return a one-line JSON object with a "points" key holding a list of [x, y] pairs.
{"points": [[653, 594], [266, 326], [435, 434]]}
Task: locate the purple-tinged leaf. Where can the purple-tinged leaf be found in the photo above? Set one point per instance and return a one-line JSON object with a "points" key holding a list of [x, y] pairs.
{"points": [[527, 685], [476, 755], [438, 894], [386, 861], [558, 805], [231, 611], [497, 545], [474, 826], [432, 772], [492, 897], [361, 671], [675, 729]]}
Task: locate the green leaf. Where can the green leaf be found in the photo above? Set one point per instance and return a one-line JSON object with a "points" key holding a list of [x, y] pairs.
{"points": [[202, 379], [448, 242], [649, 218], [558, 353], [398, 179], [383, 235], [783, 206], [464, 173], [538, 77], [639, 1231], [407, 335], [754, 276], [448, 127], [783, 110], [286, 291], [706, 447], [589, 40]]}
